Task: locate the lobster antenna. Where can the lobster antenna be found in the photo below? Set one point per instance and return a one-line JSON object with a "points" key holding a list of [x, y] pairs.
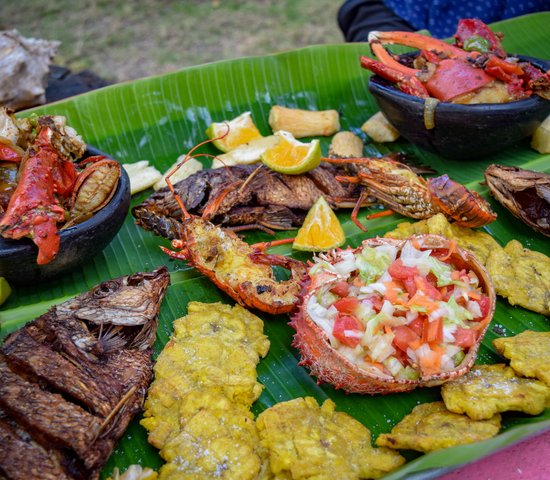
{"points": [[185, 159], [249, 179]]}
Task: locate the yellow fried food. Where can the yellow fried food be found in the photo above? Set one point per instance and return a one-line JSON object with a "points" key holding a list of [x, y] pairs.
{"points": [[489, 389], [307, 441], [430, 426], [519, 274], [215, 347], [480, 243], [528, 352], [522, 276], [217, 439], [235, 324]]}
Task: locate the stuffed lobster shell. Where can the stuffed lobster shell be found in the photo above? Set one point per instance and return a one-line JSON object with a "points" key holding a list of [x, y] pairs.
{"points": [[393, 315]]}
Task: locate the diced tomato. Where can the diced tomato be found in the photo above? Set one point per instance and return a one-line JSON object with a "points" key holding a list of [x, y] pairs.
{"points": [[427, 288], [341, 289], [400, 271], [433, 331], [344, 323], [465, 337], [377, 302], [432, 279], [402, 357], [417, 325], [484, 305], [404, 336], [347, 304], [409, 285]]}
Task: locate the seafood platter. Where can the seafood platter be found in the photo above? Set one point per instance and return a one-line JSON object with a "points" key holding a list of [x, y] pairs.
{"points": [[312, 295]]}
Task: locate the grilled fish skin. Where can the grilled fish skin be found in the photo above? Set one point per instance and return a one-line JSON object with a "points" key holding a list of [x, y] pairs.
{"points": [[71, 380]]}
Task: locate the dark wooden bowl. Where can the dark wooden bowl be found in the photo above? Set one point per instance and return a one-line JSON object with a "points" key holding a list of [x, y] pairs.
{"points": [[462, 132], [78, 244]]}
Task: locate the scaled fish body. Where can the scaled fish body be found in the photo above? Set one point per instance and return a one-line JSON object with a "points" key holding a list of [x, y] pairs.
{"points": [[71, 380]]}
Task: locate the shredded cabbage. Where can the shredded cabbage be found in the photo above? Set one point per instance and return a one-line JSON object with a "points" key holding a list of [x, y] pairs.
{"points": [[441, 270], [412, 257], [457, 314], [372, 262]]}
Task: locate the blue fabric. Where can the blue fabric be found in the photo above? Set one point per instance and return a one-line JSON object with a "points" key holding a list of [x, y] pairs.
{"points": [[440, 17]]}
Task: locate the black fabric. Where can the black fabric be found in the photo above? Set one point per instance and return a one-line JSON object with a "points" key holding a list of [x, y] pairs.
{"points": [[63, 83], [356, 18]]}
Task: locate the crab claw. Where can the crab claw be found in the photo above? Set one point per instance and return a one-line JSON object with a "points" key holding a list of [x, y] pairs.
{"points": [[406, 83], [417, 40]]}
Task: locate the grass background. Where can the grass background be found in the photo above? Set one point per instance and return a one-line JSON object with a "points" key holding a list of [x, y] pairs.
{"points": [[135, 38]]}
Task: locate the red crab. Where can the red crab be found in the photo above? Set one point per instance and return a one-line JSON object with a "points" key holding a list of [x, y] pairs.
{"points": [[474, 70]]}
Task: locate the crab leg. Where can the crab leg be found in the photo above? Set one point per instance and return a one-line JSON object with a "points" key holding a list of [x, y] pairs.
{"points": [[396, 73], [417, 40]]}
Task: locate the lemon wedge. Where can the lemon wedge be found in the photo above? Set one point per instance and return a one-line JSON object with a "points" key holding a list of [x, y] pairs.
{"points": [[241, 130], [292, 157], [5, 290], [321, 230]]}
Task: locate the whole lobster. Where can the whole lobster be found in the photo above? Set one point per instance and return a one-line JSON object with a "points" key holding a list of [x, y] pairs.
{"points": [[401, 189]]}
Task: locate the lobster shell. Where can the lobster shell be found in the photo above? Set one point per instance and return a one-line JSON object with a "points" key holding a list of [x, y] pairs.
{"points": [[328, 365]]}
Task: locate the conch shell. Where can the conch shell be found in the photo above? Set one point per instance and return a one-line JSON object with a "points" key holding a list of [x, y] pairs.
{"points": [[24, 67], [524, 192]]}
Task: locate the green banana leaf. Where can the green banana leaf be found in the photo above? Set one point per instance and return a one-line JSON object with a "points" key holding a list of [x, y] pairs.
{"points": [[159, 118]]}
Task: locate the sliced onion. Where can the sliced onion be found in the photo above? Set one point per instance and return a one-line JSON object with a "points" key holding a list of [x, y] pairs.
{"points": [[429, 112]]}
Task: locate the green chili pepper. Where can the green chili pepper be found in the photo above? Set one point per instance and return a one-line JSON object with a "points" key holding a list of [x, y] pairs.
{"points": [[477, 44]]}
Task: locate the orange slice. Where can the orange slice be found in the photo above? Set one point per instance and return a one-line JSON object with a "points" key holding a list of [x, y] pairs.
{"points": [[292, 157], [321, 229], [241, 130]]}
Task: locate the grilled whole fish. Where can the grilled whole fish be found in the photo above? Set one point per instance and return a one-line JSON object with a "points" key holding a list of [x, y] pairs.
{"points": [[246, 196], [524, 192], [71, 380]]}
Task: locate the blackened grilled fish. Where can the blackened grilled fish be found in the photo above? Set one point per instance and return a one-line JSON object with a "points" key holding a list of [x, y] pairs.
{"points": [[71, 380], [249, 196]]}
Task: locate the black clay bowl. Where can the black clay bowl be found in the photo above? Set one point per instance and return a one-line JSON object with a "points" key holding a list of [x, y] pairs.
{"points": [[78, 244], [461, 132]]}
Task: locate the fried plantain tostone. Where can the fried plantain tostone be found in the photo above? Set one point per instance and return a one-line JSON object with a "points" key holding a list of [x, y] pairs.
{"points": [[214, 347], [528, 352], [217, 439], [430, 426], [307, 441], [489, 389]]}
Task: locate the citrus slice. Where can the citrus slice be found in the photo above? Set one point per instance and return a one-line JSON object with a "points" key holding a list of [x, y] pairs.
{"points": [[321, 229], [292, 157], [245, 154], [241, 130]]}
